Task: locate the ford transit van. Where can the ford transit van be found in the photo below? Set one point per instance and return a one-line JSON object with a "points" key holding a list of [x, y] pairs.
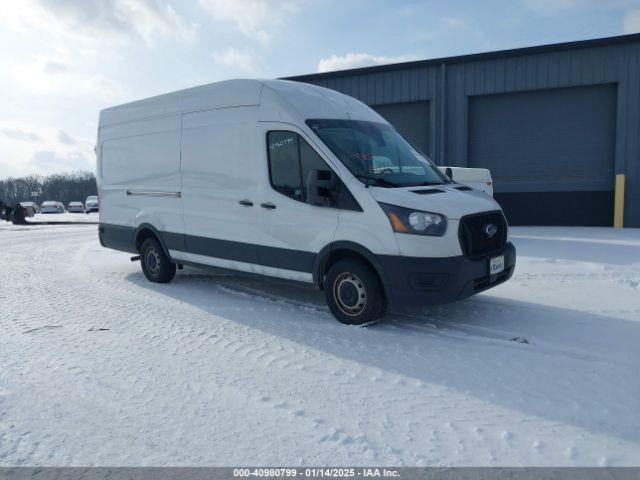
{"points": [[294, 181]]}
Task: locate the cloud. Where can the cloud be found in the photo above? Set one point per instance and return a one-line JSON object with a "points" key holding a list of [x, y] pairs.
{"points": [[65, 138], [55, 162], [55, 67], [146, 19], [555, 6], [257, 19], [631, 21], [99, 21], [37, 77], [42, 150], [22, 135], [60, 74], [233, 58], [454, 22], [357, 60]]}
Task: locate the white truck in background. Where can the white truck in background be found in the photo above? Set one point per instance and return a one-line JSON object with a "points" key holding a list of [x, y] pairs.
{"points": [[476, 178]]}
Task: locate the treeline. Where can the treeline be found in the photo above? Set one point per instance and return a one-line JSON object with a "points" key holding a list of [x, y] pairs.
{"points": [[63, 187]]}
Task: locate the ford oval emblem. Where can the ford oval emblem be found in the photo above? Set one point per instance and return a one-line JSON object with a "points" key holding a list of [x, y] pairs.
{"points": [[490, 229]]}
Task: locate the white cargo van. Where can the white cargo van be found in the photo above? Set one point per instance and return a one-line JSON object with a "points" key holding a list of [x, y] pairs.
{"points": [[294, 181]]}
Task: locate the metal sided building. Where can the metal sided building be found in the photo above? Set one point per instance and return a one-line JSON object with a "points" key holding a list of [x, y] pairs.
{"points": [[555, 124]]}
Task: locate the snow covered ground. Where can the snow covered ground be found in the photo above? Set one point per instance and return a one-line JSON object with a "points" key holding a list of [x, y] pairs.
{"points": [[100, 367], [66, 217]]}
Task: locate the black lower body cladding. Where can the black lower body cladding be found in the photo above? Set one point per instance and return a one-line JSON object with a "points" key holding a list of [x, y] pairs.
{"points": [[407, 280], [117, 237], [428, 281]]}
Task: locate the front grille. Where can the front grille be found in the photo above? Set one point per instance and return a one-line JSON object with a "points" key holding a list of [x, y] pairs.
{"points": [[473, 237]]}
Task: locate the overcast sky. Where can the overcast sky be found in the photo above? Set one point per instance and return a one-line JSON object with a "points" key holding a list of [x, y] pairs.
{"points": [[61, 61]]}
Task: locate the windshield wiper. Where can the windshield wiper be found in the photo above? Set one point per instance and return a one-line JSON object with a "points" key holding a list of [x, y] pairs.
{"points": [[428, 184], [380, 181]]}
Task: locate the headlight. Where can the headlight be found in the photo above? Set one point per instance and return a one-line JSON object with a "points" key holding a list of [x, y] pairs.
{"points": [[405, 220]]}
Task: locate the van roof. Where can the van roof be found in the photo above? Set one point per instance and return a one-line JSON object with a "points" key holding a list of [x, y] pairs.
{"points": [[295, 98]]}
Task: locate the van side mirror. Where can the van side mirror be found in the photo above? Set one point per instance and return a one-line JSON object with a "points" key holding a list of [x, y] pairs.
{"points": [[449, 173], [321, 188]]}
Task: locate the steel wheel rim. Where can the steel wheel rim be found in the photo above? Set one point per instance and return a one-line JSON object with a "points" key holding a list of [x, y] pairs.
{"points": [[349, 294], [152, 261]]}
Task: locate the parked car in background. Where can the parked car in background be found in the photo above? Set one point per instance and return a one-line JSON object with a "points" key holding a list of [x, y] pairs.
{"points": [[91, 204], [75, 207], [30, 208], [476, 178], [51, 206]]}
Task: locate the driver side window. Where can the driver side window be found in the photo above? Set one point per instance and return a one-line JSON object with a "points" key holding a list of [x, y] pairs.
{"points": [[291, 159]]}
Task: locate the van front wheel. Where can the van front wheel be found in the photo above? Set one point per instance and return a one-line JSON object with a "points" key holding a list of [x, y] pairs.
{"points": [[354, 293], [155, 264]]}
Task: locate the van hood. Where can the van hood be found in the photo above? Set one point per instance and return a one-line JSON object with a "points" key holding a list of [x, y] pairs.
{"points": [[446, 200]]}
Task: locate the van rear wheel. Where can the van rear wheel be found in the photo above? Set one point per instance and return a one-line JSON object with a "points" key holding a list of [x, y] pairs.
{"points": [[156, 266], [354, 293]]}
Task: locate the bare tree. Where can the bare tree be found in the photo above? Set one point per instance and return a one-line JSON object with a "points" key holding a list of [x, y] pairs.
{"points": [[63, 187]]}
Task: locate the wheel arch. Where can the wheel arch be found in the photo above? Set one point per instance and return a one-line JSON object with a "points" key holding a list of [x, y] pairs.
{"points": [[144, 231], [339, 250]]}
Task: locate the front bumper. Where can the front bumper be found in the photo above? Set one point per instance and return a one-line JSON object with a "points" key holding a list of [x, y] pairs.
{"points": [[429, 281]]}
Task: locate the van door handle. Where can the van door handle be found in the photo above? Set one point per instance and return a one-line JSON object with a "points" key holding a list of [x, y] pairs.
{"points": [[246, 203], [268, 205]]}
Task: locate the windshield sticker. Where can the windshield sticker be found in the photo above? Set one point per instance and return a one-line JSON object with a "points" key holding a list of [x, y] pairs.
{"points": [[365, 157], [281, 143]]}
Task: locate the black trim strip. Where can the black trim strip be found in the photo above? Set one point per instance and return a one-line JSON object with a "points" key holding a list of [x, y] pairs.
{"points": [[173, 241], [288, 259], [117, 237], [122, 238], [227, 249], [296, 260]]}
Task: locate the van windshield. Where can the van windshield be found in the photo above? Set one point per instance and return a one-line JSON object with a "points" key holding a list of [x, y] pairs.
{"points": [[376, 153]]}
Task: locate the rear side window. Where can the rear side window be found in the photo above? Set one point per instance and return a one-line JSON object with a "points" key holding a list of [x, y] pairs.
{"points": [[291, 159], [284, 163]]}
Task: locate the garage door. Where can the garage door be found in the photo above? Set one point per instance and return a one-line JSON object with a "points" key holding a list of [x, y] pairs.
{"points": [[550, 152], [411, 119]]}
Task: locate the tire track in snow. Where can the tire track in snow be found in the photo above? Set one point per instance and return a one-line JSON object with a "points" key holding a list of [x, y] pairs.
{"points": [[186, 370], [280, 358]]}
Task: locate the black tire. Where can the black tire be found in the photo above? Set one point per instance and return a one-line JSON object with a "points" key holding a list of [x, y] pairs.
{"points": [[155, 264], [354, 293]]}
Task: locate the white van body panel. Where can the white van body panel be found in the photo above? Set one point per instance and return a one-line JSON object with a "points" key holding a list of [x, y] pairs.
{"points": [[293, 224], [190, 171], [193, 166], [218, 171], [230, 93], [141, 181], [293, 101], [372, 231], [455, 202]]}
